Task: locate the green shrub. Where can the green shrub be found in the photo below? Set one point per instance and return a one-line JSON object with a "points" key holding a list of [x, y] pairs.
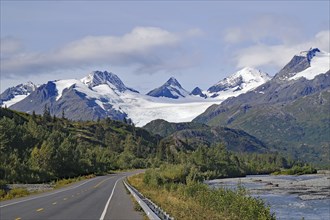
{"points": [[2, 193], [13, 193]]}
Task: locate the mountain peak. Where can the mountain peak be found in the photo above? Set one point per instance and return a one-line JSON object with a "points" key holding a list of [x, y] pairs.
{"points": [[173, 82], [171, 89], [242, 79], [96, 78], [306, 64], [310, 53], [198, 92]]}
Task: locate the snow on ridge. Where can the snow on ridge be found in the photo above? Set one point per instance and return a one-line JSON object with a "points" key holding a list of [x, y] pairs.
{"points": [[318, 65], [14, 100], [237, 83], [63, 84], [17, 93], [248, 74]]}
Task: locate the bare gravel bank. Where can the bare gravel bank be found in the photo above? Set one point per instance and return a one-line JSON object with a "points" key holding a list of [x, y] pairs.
{"points": [[32, 187], [307, 187]]}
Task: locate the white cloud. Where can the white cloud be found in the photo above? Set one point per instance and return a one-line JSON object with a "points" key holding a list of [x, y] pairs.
{"points": [[9, 46], [143, 46], [269, 28], [271, 41], [233, 35], [277, 56]]}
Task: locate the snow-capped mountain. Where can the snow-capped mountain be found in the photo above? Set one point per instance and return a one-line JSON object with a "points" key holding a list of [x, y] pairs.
{"points": [[198, 92], [99, 96], [79, 99], [239, 82], [171, 89], [307, 64], [319, 62], [17, 93], [103, 94]]}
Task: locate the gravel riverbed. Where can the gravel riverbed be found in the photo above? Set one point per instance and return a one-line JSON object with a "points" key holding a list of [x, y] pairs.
{"points": [[306, 187]]}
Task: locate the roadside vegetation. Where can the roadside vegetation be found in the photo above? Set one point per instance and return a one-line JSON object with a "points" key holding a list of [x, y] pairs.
{"points": [[14, 193], [175, 191]]}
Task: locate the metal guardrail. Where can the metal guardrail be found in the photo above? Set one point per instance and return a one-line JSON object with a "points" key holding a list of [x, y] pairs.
{"points": [[153, 211]]}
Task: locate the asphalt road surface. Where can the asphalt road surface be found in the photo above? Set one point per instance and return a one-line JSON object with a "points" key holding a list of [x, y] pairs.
{"points": [[103, 197]]}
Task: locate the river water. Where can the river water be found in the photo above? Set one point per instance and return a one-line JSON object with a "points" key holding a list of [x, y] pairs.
{"points": [[285, 204]]}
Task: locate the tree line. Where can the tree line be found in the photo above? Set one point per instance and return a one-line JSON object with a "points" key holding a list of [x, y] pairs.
{"points": [[40, 148]]}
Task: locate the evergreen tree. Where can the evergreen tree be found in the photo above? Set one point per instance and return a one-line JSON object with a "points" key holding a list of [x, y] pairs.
{"points": [[46, 114], [63, 114]]}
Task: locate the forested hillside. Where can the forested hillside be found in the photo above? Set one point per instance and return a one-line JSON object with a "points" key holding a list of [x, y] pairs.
{"points": [[40, 148]]}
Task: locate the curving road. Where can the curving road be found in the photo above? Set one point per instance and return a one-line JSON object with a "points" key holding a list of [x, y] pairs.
{"points": [[103, 197]]}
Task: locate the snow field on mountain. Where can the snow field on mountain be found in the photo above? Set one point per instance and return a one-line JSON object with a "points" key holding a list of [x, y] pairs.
{"points": [[14, 100], [319, 64], [63, 84], [143, 109]]}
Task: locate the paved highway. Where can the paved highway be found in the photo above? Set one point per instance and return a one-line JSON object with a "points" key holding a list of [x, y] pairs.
{"points": [[99, 198]]}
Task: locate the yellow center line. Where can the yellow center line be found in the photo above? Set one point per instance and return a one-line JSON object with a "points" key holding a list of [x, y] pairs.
{"points": [[54, 203], [18, 218], [97, 185], [39, 210]]}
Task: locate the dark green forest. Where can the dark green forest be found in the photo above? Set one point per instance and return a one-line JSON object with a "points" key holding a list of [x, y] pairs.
{"points": [[40, 148]]}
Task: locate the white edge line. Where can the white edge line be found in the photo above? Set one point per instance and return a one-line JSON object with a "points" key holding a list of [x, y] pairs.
{"points": [[48, 194], [108, 202]]}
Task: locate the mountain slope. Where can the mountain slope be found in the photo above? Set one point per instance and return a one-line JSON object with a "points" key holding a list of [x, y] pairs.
{"points": [[291, 114], [165, 128], [191, 135]]}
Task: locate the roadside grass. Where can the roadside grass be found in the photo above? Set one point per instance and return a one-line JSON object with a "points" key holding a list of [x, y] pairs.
{"points": [[65, 182], [7, 194], [176, 205], [197, 201], [13, 193]]}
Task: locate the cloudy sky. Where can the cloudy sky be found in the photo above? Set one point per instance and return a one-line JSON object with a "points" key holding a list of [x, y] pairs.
{"points": [[144, 42]]}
